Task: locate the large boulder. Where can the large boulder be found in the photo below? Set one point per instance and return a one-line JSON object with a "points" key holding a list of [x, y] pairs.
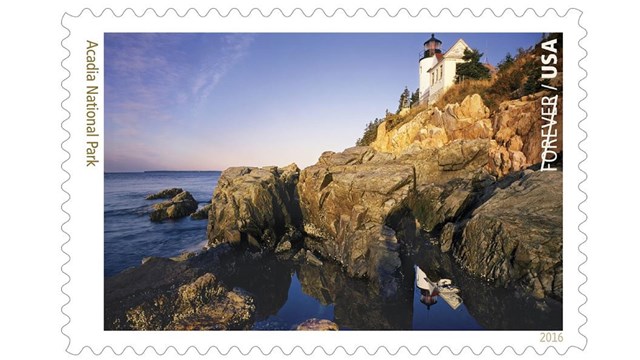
{"points": [[203, 304], [345, 203], [181, 205], [254, 206], [507, 231], [515, 237]]}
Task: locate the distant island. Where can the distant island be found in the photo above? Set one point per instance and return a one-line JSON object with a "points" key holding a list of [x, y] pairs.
{"points": [[170, 171]]}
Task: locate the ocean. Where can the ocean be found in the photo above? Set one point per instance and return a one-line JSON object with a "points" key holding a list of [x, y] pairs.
{"points": [[301, 291], [129, 235]]}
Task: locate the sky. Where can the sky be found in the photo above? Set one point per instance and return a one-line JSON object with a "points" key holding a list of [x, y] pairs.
{"points": [[210, 101]]}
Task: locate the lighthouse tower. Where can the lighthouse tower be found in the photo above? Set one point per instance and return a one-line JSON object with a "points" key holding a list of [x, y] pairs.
{"points": [[428, 58]]}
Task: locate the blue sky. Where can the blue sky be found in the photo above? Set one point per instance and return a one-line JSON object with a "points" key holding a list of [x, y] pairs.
{"points": [[210, 101]]}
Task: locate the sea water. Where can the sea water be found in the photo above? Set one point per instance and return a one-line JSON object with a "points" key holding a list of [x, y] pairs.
{"points": [[129, 235]]}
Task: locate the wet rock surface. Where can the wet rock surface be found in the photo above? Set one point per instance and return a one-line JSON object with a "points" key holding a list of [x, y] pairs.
{"points": [[163, 294], [202, 213], [181, 205], [318, 325], [219, 288]]}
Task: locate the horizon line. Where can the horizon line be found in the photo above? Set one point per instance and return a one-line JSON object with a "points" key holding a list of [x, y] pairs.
{"points": [[157, 171]]}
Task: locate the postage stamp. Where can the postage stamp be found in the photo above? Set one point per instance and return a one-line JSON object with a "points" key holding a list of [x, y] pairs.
{"points": [[324, 181]]}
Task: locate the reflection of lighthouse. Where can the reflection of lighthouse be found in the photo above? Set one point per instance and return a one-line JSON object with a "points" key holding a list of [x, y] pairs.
{"points": [[430, 291], [429, 57]]}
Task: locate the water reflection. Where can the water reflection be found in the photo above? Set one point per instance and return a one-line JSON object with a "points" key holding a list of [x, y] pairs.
{"points": [[491, 307], [358, 304], [265, 277], [428, 291]]}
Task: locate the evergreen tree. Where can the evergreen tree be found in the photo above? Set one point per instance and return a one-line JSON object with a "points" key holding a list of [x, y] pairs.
{"points": [[405, 97], [472, 68], [415, 97], [506, 62], [534, 81], [370, 133]]}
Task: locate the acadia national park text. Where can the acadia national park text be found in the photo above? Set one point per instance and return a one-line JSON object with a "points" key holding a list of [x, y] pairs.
{"points": [[92, 71]]}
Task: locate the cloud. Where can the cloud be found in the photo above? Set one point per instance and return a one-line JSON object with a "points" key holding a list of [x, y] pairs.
{"points": [[158, 71], [152, 80], [236, 46]]}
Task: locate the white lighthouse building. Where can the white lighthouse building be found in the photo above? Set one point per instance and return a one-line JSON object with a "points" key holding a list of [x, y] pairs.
{"points": [[437, 70]]}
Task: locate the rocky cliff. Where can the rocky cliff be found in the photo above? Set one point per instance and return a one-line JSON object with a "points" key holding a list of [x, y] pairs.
{"points": [[443, 172], [434, 128], [513, 131]]}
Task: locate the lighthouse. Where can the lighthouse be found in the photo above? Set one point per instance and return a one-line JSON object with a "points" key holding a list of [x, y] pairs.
{"points": [[437, 70], [430, 56]]}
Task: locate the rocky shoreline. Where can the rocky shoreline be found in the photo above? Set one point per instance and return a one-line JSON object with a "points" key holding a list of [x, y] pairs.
{"points": [[460, 176]]}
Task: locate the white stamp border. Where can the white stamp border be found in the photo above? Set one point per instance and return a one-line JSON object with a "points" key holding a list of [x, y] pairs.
{"points": [[84, 308]]}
